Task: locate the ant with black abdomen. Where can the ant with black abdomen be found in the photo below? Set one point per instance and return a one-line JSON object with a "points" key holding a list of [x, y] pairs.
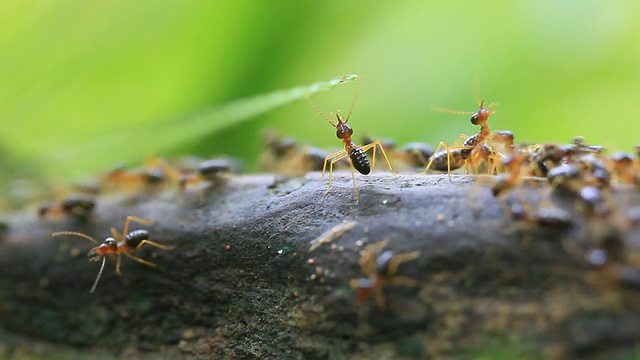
{"points": [[355, 154], [473, 147], [119, 244]]}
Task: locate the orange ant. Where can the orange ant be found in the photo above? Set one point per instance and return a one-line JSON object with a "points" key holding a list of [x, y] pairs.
{"points": [[515, 163], [473, 147], [119, 244], [380, 268], [355, 154]]}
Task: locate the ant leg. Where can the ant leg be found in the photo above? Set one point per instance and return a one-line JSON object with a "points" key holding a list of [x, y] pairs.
{"points": [[433, 157], [399, 259], [116, 235], [333, 161], [142, 261], [367, 262], [373, 155], [355, 187], [380, 299], [377, 246], [330, 156], [118, 271], [153, 243], [136, 219], [404, 281]]}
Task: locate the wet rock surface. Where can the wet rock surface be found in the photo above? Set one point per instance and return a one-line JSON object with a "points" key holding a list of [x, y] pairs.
{"points": [[243, 283]]}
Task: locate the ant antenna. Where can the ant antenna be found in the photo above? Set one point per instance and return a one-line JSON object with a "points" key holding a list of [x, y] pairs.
{"points": [[76, 234], [476, 88], [95, 283], [319, 112], [436, 108], [355, 97]]}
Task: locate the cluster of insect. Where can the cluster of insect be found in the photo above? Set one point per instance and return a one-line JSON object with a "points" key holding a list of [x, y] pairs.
{"points": [[577, 168], [185, 174]]}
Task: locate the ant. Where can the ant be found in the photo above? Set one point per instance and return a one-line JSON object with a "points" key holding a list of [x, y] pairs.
{"points": [[79, 206], [285, 156], [514, 162], [416, 154], [380, 268], [356, 154], [156, 172], [119, 244], [209, 170], [473, 146]]}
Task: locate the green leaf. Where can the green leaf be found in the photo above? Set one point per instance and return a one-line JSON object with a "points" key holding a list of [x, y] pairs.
{"points": [[143, 140]]}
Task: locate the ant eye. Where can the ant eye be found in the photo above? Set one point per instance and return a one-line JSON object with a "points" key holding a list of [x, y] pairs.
{"points": [[110, 241]]}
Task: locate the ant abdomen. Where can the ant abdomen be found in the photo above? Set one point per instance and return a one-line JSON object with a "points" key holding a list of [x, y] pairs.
{"points": [[134, 238], [360, 161]]}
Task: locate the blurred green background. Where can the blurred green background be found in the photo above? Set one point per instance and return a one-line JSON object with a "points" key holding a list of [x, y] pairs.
{"points": [[77, 75]]}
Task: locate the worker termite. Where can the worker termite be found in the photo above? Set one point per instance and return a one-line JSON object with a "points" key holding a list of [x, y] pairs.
{"points": [[355, 154], [380, 269], [119, 244]]}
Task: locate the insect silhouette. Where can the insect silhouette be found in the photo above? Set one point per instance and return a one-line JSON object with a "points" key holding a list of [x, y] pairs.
{"points": [[119, 244], [355, 154]]}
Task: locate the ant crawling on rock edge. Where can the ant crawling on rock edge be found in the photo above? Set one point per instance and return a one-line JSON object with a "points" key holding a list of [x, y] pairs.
{"points": [[119, 244]]}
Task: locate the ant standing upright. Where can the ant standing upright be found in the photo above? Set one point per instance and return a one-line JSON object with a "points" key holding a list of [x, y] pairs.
{"points": [[118, 244], [355, 154]]}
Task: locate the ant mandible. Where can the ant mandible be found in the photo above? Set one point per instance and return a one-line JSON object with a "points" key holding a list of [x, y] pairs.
{"points": [[355, 154], [119, 244]]}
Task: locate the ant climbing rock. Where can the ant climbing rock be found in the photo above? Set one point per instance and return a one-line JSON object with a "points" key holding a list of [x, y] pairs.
{"points": [[355, 154], [119, 244], [380, 269]]}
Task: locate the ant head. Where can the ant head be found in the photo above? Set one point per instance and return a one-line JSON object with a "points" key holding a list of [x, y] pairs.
{"points": [[343, 130], [108, 246], [481, 115]]}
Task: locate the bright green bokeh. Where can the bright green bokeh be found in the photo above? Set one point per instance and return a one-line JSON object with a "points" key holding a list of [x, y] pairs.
{"points": [[74, 73]]}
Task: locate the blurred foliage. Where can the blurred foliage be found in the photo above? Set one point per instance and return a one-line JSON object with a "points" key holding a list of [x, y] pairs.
{"points": [[87, 85]]}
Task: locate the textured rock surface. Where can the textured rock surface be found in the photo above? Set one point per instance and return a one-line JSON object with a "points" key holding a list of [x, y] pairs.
{"points": [[241, 282]]}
